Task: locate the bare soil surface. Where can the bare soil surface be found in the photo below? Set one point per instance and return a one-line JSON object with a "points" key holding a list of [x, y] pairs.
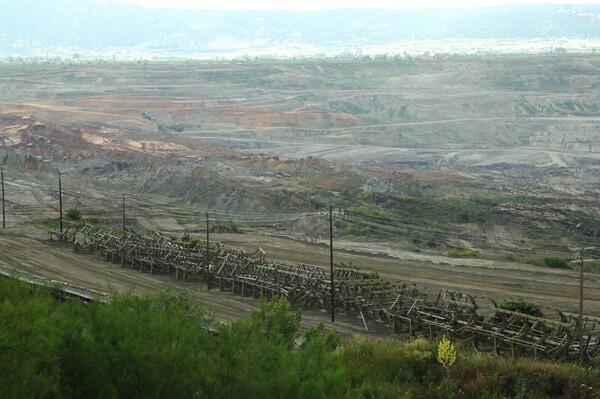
{"points": [[57, 261], [504, 150], [27, 249], [552, 288]]}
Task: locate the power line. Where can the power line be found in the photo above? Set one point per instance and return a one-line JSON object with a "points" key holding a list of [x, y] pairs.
{"points": [[422, 229], [378, 225], [420, 236], [3, 203]]}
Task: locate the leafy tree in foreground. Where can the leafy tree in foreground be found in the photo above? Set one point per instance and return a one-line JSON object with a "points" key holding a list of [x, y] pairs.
{"points": [[29, 342], [153, 346], [259, 360], [142, 346], [276, 320]]}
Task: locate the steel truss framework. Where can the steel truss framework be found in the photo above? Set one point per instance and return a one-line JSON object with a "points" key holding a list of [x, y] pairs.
{"points": [[398, 305]]}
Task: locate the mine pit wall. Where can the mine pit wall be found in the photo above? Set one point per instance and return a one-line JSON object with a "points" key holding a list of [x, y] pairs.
{"points": [[25, 162]]}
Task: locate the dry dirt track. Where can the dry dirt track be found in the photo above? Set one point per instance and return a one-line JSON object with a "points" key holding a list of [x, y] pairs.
{"points": [[59, 262], [549, 287], [552, 288]]}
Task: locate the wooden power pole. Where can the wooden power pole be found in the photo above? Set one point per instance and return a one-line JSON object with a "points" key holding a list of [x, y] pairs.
{"points": [[581, 261], [3, 208], [331, 264], [123, 216], [60, 204], [207, 266], [580, 324]]}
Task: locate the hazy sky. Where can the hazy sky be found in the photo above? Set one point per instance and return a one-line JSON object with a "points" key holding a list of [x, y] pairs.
{"points": [[325, 4]]}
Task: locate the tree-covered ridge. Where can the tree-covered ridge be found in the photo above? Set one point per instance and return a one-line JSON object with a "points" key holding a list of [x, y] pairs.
{"points": [[155, 346]]}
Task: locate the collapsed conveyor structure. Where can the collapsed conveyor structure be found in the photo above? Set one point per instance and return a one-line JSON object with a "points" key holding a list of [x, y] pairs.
{"points": [[397, 305]]}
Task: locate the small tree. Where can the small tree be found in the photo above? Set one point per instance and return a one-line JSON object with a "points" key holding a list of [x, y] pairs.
{"points": [[277, 321], [446, 352], [331, 339], [74, 214]]}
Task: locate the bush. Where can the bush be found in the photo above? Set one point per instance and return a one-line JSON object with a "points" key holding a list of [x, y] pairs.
{"points": [[154, 346], [276, 321], [74, 214], [373, 276], [463, 253], [389, 362], [555, 262], [331, 339], [548, 261], [446, 353], [519, 305]]}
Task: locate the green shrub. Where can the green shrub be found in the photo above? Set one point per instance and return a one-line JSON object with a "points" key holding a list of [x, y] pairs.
{"points": [[74, 214], [555, 262], [51, 223], [519, 305], [276, 321], [463, 253], [331, 339], [390, 361], [373, 276], [154, 346], [548, 261]]}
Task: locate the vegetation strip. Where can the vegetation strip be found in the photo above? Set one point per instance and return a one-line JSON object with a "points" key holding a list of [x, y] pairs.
{"points": [[154, 346]]}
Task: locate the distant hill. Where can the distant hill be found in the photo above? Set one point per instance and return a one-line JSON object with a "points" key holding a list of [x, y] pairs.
{"points": [[29, 27]]}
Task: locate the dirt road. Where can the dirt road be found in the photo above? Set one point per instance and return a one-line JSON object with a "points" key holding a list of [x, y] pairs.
{"points": [[26, 250], [58, 261], [552, 288]]}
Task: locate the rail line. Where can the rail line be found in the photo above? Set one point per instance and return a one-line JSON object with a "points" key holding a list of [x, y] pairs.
{"points": [[60, 289]]}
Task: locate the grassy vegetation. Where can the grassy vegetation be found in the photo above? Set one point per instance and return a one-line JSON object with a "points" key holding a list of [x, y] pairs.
{"points": [[184, 221], [592, 267], [73, 214], [74, 217], [427, 215], [420, 216], [519, 305], [555, 262], [549, 261], [225, 227], [154, 346], [52, 224]]}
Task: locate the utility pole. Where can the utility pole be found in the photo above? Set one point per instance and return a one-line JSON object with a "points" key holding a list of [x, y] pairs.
{"points": [[581, 260], [123, 216], [331, 264], [207, 266], [60, 204], [580, 324], [3, 208]]}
